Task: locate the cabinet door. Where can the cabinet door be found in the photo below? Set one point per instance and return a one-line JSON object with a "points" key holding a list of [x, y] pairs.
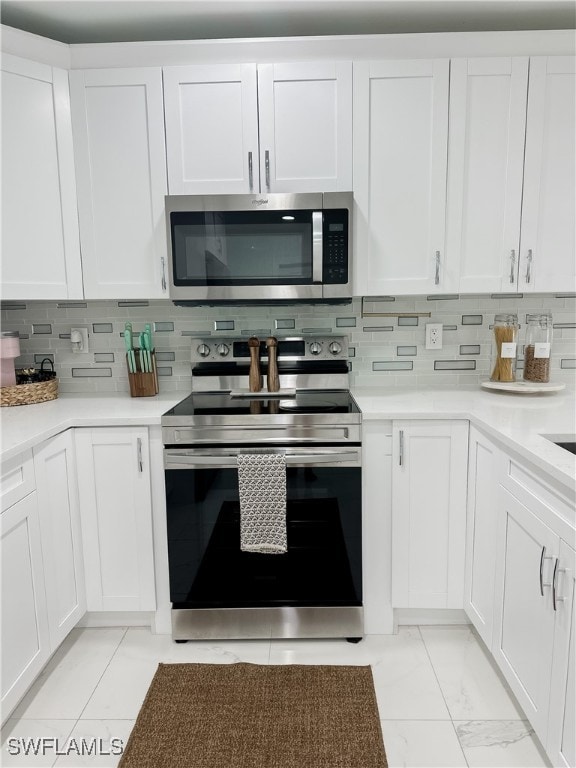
{"points": [[211, 129], [40, 245], [400, 158], [305, 123], [549, 204], [25, 636], [377, 527], [59, 513], [483, 459], [116, 514], [561, 745], [428, 513], [485, 167], [118, 122], [524, 620]]}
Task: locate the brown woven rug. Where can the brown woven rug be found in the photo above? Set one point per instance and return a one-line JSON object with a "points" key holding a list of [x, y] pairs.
{"points": [[257, 716]]}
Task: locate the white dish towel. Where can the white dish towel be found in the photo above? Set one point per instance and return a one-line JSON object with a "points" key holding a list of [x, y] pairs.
{"points": [[262, 486]]}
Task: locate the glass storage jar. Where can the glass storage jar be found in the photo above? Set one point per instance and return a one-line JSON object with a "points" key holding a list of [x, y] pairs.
{"points": [[537, 347], [503, 359]]}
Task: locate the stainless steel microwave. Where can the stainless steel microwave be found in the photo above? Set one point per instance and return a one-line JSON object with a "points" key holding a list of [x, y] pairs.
{"points": [[265, 247]]}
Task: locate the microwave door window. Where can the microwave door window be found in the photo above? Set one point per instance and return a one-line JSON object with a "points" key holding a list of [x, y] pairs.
{"points": [[242, 249], [269, 256]]}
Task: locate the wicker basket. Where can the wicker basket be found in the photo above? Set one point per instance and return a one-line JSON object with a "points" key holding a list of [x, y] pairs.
{"points": [[26, 394]]}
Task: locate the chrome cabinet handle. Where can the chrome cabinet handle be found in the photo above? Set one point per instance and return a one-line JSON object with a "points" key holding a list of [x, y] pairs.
{"points": [[401, 447], [267, 167], [437, 275], [163, 261], [555, 598], [543, 584], [512, 264], [250, 172], [529, 267], [139, 453]]}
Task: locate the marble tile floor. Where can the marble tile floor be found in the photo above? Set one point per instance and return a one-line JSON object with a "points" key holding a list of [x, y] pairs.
{"points": [[441, 700]]}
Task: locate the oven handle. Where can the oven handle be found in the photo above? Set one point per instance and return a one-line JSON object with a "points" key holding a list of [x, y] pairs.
{"points": [[184, 459]]}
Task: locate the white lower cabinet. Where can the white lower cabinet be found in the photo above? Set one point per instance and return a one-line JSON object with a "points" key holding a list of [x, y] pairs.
{"points": [[524, 620], [562, 718], [25, 634], [533, 623], [428, 513], [43, 594], [377, 527], [55, 469], [116, 510], [481, 517]]}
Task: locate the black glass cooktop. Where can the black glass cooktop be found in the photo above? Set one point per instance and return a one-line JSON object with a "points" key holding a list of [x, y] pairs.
{"points": [[305, 401]]}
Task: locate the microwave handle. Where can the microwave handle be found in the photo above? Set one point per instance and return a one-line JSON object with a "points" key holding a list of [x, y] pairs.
{"points": [[317, 246]]}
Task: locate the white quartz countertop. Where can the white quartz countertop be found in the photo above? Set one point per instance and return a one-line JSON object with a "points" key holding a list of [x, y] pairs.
{"points": [[517, 421], [25, 426]]}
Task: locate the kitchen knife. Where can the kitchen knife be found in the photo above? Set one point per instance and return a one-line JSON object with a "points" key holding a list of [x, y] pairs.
{"points": [[144, 354], [129, 348], [149, 344]]}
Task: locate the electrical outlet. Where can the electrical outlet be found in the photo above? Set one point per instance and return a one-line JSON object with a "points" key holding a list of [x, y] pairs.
{"points": [[433, 335]]}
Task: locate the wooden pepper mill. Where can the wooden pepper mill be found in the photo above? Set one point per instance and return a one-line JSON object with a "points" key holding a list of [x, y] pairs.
{"points": [[254, 378], [272, 379]]}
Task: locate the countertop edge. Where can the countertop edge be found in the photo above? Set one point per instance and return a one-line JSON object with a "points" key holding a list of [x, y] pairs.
{"points": [[81, 411]]}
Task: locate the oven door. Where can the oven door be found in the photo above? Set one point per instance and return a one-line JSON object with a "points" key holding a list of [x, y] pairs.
{"points": [[243, 251], [322, 566]]}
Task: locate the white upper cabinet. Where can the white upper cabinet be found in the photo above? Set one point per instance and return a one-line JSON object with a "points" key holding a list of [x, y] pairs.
{"points": [[118, 123], [548, 253], [305, 121], [211, 129], [511, 174], [40, 245], [400, 157], [259, 128], [486, 155]]}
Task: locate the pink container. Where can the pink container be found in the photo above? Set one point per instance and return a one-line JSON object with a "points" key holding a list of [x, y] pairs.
{"points": [[9, 349]]}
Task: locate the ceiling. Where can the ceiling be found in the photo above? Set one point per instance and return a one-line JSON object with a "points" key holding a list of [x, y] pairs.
{"points": [[101, 21]]}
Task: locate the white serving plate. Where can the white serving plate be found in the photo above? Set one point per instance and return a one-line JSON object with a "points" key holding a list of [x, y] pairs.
{"points": [[522, 387]]}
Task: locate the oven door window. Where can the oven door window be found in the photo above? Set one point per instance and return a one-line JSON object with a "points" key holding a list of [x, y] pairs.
{"points": [[242, 248], [321, 568]]}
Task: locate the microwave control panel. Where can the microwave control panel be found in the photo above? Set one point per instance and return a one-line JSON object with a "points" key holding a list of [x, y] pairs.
{"points": [[335, 256]]}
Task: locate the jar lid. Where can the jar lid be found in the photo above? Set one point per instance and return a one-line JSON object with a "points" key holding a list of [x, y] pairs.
{"points": [[539, 317], [506, 317], [10, 335]]}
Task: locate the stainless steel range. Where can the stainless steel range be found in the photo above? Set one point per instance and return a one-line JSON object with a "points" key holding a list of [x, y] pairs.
{"points": [[314, 589]]}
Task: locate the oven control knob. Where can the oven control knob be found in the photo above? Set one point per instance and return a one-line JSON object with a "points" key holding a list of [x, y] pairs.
{"points": [[203, 350], [335, 348], [222, 349], [315, 348]]}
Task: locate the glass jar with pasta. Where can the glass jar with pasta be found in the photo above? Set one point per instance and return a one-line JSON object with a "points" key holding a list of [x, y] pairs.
{"points": [[503, 362]]}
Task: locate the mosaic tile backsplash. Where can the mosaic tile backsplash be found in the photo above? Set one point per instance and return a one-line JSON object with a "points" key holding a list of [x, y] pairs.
{"points": [[385, 351]]}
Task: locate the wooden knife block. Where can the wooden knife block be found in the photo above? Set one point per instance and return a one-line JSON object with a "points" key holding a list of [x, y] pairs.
{"points": [[143, 384]]}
